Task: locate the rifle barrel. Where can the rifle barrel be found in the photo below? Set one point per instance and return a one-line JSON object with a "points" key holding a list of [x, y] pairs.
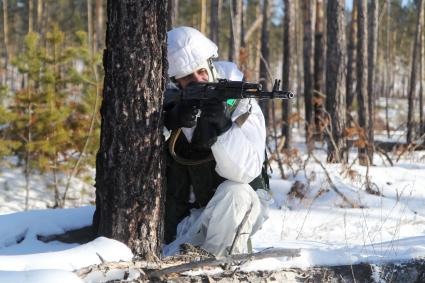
{"points": [[223, 90]]}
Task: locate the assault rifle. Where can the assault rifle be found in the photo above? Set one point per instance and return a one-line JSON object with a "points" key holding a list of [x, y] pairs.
{"points": [[223, 90]]}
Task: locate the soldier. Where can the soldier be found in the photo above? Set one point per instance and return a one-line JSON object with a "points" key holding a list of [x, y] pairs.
{"points": [[229, 185]]}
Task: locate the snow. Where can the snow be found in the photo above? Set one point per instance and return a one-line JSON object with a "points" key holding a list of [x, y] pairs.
{"points": [[23, 258], [39, 276], [388, 227]]}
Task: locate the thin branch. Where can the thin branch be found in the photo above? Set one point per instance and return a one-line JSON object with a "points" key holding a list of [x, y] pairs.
{"points": [[338, 192], [278, 145], [239, 230], [410, 147], [86, 144], [253, 28], [382, 152]]}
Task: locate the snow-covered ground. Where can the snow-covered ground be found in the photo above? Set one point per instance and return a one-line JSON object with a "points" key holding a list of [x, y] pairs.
{"points": [[384, 227]]}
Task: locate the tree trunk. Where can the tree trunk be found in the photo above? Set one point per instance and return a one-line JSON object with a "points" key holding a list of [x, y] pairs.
{"points": [[129, 164], [235, 30], [362, 80], [309, 20], [372, 55], [421, 89], [39, 15], [173, 13], [351, 64], [244, 58], [6, 39], [319, 48], [214, 21], [30, 15], [287, 76], [264, 60], [299, 55], [335, 80], [319, 71], [100, 31], [387, 70], [90, 25], [203, 28], [412, 87]]}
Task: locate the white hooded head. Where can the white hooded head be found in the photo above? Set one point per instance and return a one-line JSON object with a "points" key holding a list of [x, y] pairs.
{"points": [[188, 51]]}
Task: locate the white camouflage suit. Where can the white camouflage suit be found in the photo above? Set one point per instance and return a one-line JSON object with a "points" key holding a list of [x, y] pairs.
{"points": [[239, 155]]}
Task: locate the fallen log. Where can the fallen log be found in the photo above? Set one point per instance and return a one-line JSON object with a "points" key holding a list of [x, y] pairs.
{"points": [[81, 236], [143, 271], [232, 259], [410, 271]]}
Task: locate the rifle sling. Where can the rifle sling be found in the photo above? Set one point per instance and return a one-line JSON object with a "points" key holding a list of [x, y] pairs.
{"points": [[173, 139]]}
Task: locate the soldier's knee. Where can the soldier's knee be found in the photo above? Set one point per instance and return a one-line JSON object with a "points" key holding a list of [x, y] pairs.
{"points": [[234, 189]]}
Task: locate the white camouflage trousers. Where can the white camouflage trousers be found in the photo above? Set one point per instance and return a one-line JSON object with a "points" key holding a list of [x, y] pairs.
{"points": [[214, 228]]}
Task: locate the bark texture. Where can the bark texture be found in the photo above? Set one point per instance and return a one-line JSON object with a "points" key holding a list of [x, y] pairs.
{"points": [[412, 88], [6, 35], [129, 164], [421, 81], [100, 30], [287, 76], [335, 80], [362, 79], [173, 13], [351, 58], [372, 58], [309, 21], [236, 30], [319, 48], [214, 21], [264, 60]]}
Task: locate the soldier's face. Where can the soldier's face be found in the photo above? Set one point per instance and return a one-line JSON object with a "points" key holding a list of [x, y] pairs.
{"points": [[200, 75]]}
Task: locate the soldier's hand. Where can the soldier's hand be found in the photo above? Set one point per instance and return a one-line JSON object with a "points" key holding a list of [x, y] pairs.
{"points": [[215, 113], [182, 114]]}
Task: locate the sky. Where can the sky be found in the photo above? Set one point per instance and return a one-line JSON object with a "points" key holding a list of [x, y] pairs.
{"points": [[349, 3]]}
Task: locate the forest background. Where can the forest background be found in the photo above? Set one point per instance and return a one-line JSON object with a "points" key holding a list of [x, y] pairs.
{"points": [[51, 76]]}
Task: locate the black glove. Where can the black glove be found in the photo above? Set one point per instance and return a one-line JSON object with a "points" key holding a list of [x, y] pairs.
{"points": [[204, 136], [215, 113], [182, 114]]}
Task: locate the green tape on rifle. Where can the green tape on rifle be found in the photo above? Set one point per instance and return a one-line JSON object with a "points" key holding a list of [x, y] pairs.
{"points": [[230, 102]]}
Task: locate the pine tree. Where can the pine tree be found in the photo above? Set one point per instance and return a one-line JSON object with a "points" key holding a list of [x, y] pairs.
{"points": [[7, 145], [56, 111]]}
